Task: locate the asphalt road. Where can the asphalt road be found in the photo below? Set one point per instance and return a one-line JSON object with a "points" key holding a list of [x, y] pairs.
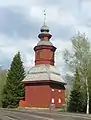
{"points": [[40, 115]]}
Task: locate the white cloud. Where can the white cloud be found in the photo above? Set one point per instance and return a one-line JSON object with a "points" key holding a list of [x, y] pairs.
{"points": [[9, 47], [61, 46], [86, 8], [59, 13], [25, 3], [54, 15]]}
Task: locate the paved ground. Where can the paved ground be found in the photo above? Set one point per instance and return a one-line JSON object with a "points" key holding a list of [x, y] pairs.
{"points": [[40, 115]]}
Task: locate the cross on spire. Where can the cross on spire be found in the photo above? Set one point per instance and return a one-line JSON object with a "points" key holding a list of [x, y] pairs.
{"points": [[44, 16]]}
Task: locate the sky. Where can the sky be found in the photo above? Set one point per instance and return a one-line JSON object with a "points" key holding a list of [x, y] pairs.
{"points": [[21, 20]]}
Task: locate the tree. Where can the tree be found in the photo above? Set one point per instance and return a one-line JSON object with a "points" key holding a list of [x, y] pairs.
{"points": [[14, 90], [79, 58], [3, 73], [74, 103], [89, 85]]}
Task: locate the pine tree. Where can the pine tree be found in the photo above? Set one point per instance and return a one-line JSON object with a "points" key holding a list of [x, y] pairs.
{"points": [[3, 73], [14, 90], [74, 103]]}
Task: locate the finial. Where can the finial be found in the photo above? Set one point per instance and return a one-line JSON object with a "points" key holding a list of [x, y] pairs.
{"points": [[44, 16]]}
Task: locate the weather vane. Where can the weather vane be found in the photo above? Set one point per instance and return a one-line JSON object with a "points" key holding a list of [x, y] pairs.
{"points": [[44, 16]]}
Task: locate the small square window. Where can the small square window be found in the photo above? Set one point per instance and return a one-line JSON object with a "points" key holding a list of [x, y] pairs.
{"points": [[59, 90], [52, 89]]}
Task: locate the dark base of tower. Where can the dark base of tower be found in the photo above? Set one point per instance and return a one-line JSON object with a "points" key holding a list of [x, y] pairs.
{"points": [[48, 107]]}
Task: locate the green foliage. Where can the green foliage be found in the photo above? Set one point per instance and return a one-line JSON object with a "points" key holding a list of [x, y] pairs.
{"points": [[14, 90], [80, 54], [74, 102], [3, 73], [77, 102], [80, 58], [89, 81]]}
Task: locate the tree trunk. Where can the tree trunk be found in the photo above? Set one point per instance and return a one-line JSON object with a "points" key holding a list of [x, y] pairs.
{"points": [[87, 109]]}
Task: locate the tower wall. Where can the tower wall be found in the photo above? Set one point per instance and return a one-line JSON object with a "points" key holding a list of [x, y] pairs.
{"points": [[44, 54], [42, 95], [37, 96]]}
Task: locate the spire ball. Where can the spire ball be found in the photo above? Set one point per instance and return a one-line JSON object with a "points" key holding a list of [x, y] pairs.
{"points": [[44, 28]]}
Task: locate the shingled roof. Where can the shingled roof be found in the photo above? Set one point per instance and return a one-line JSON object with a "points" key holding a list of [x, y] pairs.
{"points": [[43, 72]]}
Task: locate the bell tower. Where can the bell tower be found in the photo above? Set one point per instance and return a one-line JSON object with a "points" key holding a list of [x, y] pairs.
{"points": [[43, 83], [44, 51]]}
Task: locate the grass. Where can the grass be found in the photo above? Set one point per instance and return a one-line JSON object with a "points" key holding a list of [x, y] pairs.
{"points": [[61, 110]]}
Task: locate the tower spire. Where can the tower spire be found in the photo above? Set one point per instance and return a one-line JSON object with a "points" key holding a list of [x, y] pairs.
{"points": [[44, 16], [45, 29]]}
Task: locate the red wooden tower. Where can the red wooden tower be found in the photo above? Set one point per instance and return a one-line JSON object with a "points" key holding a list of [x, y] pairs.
{"points": [[43, 83]]}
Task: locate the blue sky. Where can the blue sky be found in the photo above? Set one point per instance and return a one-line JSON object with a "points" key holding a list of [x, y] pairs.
{"points": [[21, 20]]}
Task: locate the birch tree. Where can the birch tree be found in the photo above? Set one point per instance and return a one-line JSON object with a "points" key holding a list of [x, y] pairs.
{"points": [[80, 58]]}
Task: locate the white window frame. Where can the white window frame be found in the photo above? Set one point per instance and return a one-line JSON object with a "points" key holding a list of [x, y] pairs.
{"points": [[59, 100], [53, 90], [59, 90], [52, 100]]}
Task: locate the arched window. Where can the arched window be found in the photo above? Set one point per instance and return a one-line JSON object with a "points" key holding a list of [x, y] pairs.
{"points": [[52, 100], [59, 100]]}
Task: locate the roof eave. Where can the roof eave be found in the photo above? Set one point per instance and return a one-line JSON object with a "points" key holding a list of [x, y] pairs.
{"points": [[49, 81]]}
